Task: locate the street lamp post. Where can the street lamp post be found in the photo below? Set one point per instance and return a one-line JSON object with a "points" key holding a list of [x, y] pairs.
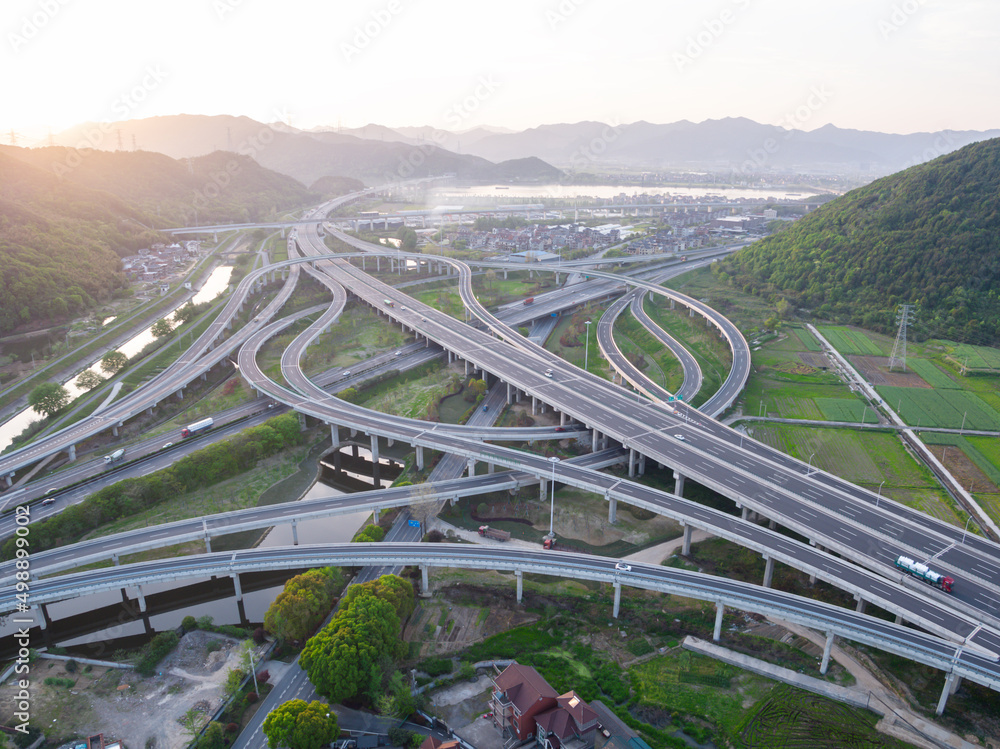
{"points": [[586, 350], [809, 465], [552, 505], [966, 531], [879, 495]]}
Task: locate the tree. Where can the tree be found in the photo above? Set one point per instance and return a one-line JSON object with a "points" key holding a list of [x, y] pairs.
{"points": [[185, 314], [348, 657], [161, 328], [213, 738], [48, 398], [297, 724], [113, 361], [302, 605], [88, 380]]}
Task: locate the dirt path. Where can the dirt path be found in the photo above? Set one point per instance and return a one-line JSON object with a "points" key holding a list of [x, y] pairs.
{"points": [[899, 721], [656, 554]]}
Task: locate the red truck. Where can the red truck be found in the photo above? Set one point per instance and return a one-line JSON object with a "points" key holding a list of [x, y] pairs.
{"points": [[494, 533], [529, 300], [549, 543]]}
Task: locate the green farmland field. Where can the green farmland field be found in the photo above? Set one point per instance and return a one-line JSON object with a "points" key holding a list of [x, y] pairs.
{"points": [[849, 341], [932, 374], [940, 408], [807, 339], [975, 357]]}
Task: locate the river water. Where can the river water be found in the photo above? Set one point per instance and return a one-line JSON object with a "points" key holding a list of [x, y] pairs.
{"points": [[217, 283]]}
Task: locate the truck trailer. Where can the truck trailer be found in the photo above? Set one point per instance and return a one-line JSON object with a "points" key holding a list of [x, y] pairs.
{"points": [[925, 573], [494, 533], [199, 426]]}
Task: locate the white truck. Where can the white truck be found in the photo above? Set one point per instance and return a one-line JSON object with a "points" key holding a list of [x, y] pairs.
{"points": [[115, 456]]}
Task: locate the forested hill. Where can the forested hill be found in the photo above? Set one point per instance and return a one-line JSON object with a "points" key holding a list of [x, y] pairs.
{"points": [[66, 217], [59, 244], [221, 187], [929, 235]]}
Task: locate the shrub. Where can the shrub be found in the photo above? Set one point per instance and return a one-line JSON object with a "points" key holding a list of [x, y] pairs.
{"points": [[251, 697], [156, 651], [189, 623], [436, 666], [71, 666], [263, 676], [213, 645], [232, 727], [259, 636]]}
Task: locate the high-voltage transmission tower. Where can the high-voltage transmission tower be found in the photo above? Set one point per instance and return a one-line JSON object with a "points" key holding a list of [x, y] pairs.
{"points": [[904, 316]]}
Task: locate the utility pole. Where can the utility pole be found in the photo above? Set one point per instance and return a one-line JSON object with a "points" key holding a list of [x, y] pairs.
{"points": [[120, 146], [904, 316]]}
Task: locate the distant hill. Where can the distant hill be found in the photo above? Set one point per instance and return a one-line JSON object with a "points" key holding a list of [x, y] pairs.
{"points": [[929, 235], [732, 144], [220, 187], [304, 155], [66, 217]]}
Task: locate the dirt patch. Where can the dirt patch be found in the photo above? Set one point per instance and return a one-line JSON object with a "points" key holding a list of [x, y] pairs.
{"points": [[814, 359], [123, 705], [445, 626], [964, 470], [875, 369]]}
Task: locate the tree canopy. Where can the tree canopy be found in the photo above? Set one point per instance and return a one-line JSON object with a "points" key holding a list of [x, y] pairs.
{"points": [[350, 657], [298, 724], [929, 236], [113, 361], [302, 605], [48, 398], [88, 379]]}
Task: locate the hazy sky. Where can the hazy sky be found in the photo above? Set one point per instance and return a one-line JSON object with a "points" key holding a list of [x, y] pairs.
{"points": [[892, 65]]}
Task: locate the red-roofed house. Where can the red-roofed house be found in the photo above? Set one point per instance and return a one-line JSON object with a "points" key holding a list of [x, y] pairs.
{"points": [[525, 707], [519, 694], [433, 743], [572, 724]]}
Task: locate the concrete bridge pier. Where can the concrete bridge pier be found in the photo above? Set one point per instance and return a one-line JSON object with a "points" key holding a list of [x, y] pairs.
{"points": [[72, 453], [295, 533], [744, 512], [543, 485], [375, 515], [237, 588], [490, 468], [115, 561], [562, 419], [375, 461], [618, 599], [378, 263], [43, 618], [420, 457], [466, 367], [141, 598], [768, 571], [950, 686], [860, 608], [594, 437], [686, 545], [335, 435], [509, 395], [612, 508], [826, 653], [9, 481], [720, 610], [208, 544], [472, 467], [114, 429], [631, 463], [425, 585], [534, 406], [520, 584], [180, 394], [641, 467]]}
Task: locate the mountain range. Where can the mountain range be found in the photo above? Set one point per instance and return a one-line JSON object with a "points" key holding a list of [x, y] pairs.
{"points": [[376, 153]]}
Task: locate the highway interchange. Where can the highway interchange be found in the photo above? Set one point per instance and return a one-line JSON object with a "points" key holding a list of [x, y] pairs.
{"points": [[828, 511]]}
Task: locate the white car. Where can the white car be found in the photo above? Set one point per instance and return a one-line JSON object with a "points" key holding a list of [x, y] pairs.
{"points": [[48, 501], [168, 444], [680, 437], [622, 567], [548, 373], [399, 353]]}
